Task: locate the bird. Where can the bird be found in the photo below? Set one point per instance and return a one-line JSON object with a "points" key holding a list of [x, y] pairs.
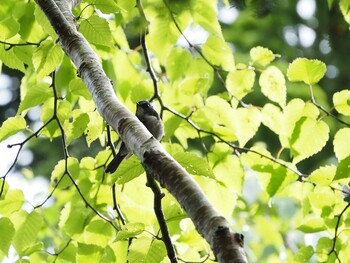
{"points": [[149, 117]]}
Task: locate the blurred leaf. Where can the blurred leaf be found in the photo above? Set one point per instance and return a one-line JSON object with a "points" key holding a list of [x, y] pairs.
{"points": [[323, 175], [35, 95], [8, 28], [12, 126], [341, 101], [306, 70], [304, 254], [127, 171], [312, 225], [218, 53]]}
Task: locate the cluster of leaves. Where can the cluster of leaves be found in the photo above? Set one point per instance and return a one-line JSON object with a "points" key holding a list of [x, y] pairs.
{"points": [[211, 131]]}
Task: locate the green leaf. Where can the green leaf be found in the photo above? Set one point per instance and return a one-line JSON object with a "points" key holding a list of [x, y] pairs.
{"points": [[97, 31], [204, 13], [128, 170], [261, 55], [10, 59], [46, 58], [312, 224], [304, 255], [95, 127], [145, 250], [343, 169], [12, 202], [12, 126], [77, 87], [344, 6], [308, 138], [272, 117], [240, 82], [89, 253], [323, 175], [44, 23], [194, 164], [306, 70], [27, 231], [323, 247], [341, 143], [341, 101], [7, 231], [78, 126], [247, 122], [98, 232], [105, 6], [273, 85], [218, 53], [8, 28], [35, 95], [130, 230], [72, 219], [177, 63], [322, 196]]}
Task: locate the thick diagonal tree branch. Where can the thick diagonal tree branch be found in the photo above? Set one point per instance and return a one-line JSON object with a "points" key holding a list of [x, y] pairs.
{"points": [[227, 246]]}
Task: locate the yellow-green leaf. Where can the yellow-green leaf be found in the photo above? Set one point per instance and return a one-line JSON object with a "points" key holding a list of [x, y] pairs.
{"points": [[218, 52], [341, 143], [240, 82], [341, 101], [261, 55], [306, 70], [11, 126], [97, 31], [273, 85], [309, 137]]}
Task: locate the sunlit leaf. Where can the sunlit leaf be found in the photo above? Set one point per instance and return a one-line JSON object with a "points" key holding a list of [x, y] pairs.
{"points": [[306, 70], [10, 59], [312, 224], [130, 230], [89, 253], [194, 164], [323, 175], [273, 85], [240, 82], [251, 119], [99, 232], [341, 101], [261, 55], [341, 143], [46, 58], [308, 138], [127, 171], [95, 127], [12, 126], [343, 169], [12, 202], [8, 28], [218, 53], [96, 31], [272, 117], [304, 254], [27, 231], [7, 231]]}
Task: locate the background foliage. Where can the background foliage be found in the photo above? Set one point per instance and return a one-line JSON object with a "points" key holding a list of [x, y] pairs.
{"points": [[253, 109]]}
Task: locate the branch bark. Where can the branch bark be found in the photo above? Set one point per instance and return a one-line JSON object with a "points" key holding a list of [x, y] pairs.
{"points": [[227, 246]]}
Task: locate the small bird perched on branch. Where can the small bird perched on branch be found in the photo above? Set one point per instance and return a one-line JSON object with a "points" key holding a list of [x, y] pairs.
{"points": [[150, 118]]}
